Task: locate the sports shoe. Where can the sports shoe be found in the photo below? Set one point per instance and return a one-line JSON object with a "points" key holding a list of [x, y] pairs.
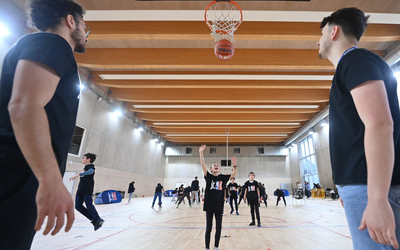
{"points": [[259, 224], [98, 224], [252, 224], [216, 248], [237, 213], [232, 211]]}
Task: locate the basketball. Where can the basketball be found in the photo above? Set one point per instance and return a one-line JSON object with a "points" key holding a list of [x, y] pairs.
{"points": [[224, 50]]}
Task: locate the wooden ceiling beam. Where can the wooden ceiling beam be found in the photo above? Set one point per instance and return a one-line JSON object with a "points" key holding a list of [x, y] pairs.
{"points": [[165, 131], [161, 117], [214, 72], [213, 84], [223, 140], [202, 59], [204, 96], [251, 31]]}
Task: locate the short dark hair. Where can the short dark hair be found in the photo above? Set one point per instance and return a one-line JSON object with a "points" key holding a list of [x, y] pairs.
{"points": [[352, 21], [233, 178], [195, 177], [90, 156], [45, 14], [252, 173]]}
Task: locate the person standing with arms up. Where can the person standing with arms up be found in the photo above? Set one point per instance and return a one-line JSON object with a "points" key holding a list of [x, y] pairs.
{"points": [[214, 196], [39, 99], [85, 192], [364, 132]]}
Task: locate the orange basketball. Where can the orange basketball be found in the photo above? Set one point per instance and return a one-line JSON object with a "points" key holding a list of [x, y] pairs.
{"points": [[224, 50]]}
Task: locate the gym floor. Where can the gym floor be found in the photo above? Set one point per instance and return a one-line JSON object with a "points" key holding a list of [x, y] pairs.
{"points": [[318, 224]]}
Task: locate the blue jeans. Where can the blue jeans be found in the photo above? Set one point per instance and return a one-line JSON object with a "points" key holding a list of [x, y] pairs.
{"points": [[355, 201], [159, 199]]}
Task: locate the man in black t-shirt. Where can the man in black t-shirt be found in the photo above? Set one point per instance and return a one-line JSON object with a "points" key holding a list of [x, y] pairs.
{"points": [[158, 193], [195, 190], [364, 132], [39, 90], [252, 195], [186, 193], [280, 195], [233, 189], [85, 191]]}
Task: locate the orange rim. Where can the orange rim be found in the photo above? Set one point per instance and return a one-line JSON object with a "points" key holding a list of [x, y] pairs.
{"points": [[214, 2]]}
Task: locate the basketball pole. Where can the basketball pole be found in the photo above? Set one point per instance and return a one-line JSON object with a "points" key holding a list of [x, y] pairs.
{"points": [[227, 144]]}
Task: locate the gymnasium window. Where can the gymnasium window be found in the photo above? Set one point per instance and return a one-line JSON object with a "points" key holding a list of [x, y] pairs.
{"points": [[213, 151], [77, 141], [308, 162], [236, 151], [189, 151]]}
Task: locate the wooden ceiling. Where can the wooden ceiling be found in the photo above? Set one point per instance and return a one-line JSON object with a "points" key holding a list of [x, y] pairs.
{"points": [[153, 66]]}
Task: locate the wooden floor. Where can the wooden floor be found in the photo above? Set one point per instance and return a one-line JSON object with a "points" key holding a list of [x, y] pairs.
{"points": [[320, 224]]}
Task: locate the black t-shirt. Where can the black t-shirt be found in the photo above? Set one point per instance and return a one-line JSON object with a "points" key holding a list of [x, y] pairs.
{"points": [[233, 189], [159, 189], [262, 191], [214, 192], [56, 53], [195, 185], [131, 188], [86, 183], [252, 188], [187, 190], [280, 192], [346, 130]]}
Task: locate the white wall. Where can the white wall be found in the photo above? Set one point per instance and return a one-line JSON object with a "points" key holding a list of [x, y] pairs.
{"points": [[124, 153]]}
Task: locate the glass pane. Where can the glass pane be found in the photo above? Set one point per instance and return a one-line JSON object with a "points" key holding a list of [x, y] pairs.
{"points": [[301, 168], [302, 150], [307, 166], [314, 165], [316, 178], [307, 148], [311, 145]]}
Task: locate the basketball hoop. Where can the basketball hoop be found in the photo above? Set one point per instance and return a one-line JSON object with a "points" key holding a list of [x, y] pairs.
{"points": [[223, 17]]}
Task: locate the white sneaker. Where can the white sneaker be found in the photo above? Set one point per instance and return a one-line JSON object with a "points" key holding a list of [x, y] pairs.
{"points": [[216, 248]]}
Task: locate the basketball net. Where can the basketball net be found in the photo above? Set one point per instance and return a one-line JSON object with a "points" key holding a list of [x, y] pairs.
{"points": [[223, 18]]}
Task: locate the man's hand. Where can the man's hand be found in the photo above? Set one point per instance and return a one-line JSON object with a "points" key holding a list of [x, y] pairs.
{"points": [[244, 199], [202, 148], [378, 217], [54, 201]]}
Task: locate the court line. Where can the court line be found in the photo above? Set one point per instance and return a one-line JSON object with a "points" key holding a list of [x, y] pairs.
{"points": [[348, 237]]}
